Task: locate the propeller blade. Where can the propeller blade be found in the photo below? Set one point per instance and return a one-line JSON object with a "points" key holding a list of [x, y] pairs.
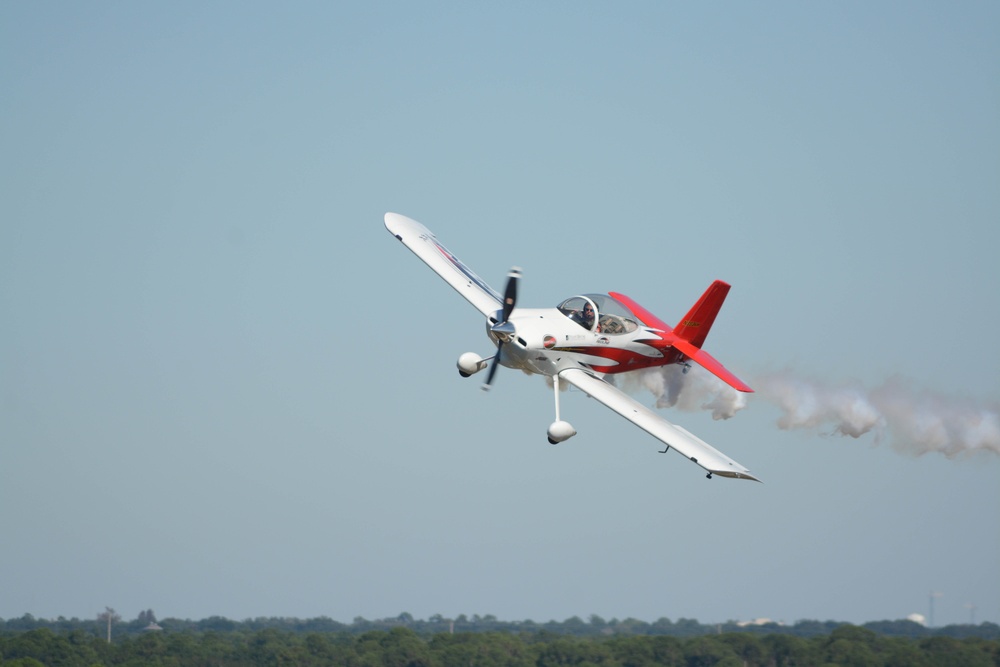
{"points": [[510, 292], [493, 368]]}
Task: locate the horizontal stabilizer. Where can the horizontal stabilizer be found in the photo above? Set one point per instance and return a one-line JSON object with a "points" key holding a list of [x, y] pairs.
{"points": [[711, 364]]}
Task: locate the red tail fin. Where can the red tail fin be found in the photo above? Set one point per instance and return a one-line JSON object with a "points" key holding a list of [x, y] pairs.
{"points": [[695, 325], [688, 337]]}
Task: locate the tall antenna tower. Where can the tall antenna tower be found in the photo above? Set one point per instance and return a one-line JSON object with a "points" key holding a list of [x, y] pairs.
{"points": [[930, 617], [972, 612], [110, 616]]}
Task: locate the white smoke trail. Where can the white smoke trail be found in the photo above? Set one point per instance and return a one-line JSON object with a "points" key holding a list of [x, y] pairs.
{"points": [[846, 409], [915, 422], [696, 390]]}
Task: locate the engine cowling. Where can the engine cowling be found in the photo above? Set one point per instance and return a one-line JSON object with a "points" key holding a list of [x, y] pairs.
{"points": [[560, 431], [471, 363]]}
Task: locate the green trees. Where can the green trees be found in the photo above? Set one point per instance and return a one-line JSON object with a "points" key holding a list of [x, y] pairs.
{"points": [[852, 645], [789, 651], [948, 652], [481, 649], [572, 651], [399, 647], [747, 648], [596, 627], [50, 649], [273, 642]]}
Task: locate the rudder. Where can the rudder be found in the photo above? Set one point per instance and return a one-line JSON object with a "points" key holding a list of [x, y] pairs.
{"points": [[694, 326]]}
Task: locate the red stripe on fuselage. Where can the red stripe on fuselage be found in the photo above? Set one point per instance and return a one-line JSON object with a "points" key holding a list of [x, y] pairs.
{"points": [[627, 360]]}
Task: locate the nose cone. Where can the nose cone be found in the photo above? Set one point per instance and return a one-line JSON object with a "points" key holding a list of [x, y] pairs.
{"points": [[504, 330]]}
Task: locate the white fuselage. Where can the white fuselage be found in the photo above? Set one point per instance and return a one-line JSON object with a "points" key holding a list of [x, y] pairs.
{"points": [[547, 342]]}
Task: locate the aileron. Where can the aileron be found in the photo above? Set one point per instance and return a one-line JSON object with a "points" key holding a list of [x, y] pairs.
{"points": [[683, 441], [424, 245]]}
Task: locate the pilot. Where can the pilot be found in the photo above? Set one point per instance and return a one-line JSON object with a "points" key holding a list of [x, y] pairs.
{"points": [[585, 318]]}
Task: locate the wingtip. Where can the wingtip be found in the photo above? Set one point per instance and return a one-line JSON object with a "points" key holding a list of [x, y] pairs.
{"points": [[392, 221], [398, 224], [736, 475]]}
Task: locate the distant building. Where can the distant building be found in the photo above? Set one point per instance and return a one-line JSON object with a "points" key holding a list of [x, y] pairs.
{"points": [[758, 621], [152, 627]]}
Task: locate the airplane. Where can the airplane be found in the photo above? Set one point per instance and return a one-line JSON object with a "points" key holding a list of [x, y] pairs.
{"points": [[583, 339]]}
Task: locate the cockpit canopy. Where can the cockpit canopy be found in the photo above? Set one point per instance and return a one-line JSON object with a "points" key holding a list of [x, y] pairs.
{"points": [[600, 313]]}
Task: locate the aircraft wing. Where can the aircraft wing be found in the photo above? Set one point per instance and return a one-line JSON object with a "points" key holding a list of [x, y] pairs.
{"points": [[686, 443], [424, 245]]}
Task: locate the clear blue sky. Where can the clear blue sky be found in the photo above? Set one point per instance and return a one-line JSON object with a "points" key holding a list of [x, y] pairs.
{"points": [[225, 389]]}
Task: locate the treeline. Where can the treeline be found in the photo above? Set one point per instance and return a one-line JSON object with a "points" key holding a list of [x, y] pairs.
{"points": [[846, 646], [594, 627]]}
